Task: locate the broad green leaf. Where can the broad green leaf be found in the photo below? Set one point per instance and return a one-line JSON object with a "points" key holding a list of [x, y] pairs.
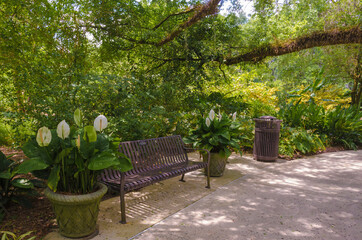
{"points": [[225, 135], [102, 143], [4, 162], [26, 235], [125, 164], [31, 165], [22, 183], [78, 117], [188, 140], [5, 233], [90, 134], [2, 156], [87, 149], [103, 160], [31, 148], [227, 152], [209, 134], [5, 175], [54, 178], [38, 183], [214, 141]]}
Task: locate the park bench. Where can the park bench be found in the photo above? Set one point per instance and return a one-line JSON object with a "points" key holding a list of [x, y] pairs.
{"points": [[153, 160]]}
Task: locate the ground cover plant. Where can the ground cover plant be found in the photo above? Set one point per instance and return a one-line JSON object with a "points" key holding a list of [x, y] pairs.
{"points": [[13, 187]]}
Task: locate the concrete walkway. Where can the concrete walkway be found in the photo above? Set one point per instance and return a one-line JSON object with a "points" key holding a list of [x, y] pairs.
{"points": [[318, 197]]}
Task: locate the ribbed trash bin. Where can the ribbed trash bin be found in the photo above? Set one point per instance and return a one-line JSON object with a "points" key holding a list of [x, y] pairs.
{"points": [[266, 141]]}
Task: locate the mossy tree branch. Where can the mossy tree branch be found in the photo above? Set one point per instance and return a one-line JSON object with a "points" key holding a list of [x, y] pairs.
{"points": [[316, 39]]}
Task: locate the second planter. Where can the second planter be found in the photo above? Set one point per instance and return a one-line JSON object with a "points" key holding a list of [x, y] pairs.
{"points": [[217, 164]]}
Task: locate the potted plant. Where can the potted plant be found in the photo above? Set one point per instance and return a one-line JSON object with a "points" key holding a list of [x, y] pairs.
{"points": [[218, 134], [70, 160]]}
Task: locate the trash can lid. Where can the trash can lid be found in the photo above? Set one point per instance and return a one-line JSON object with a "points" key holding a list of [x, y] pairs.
{"points": [[268, 118]]}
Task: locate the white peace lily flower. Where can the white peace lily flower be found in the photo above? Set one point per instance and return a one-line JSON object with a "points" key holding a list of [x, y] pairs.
{"points": [[100, 123], [44, 136], [234, 116], [63, 129], [208, 122], [220, 117], [212, 115]]}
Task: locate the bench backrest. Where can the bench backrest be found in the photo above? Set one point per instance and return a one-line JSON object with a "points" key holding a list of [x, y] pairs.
{"points": [[155, 153]]}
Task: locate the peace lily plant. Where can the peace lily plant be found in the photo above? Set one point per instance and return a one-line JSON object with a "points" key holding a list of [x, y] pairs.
{"points": [[71, 158], [216, 133]]}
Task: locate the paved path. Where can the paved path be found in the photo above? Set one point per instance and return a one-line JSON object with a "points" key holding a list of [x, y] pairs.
{"points": [[317, 197]]}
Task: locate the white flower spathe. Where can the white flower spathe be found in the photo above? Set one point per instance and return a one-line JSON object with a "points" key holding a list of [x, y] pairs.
{"points": [[44, 136], [63, 129], [212, 115], [100, 123], [234, 116], [208, 122]]}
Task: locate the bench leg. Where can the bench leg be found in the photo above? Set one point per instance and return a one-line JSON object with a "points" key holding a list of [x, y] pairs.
{"points": [[208, 182], [122, 202], [208, 176], [123, 208], [182, 178]]}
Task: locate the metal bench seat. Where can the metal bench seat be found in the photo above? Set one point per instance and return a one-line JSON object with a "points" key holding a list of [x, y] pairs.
{"points": [[153, 160]]}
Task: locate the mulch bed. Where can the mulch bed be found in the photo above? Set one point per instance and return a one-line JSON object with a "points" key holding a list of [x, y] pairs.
{"points": [[39, 219]]}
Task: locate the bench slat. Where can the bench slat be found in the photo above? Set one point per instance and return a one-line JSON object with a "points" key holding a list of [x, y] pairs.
{"points": [[180, 149], [166, 152]]}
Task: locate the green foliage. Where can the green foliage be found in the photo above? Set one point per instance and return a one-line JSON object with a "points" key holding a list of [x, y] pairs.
{"points": [[5, 134], [6, 235], [13, 188], [309, 116], [218, 134], [293, 140], [73, 158], [104, 56], [246, 135], [258, 108], [344, 127], [339, 126]]}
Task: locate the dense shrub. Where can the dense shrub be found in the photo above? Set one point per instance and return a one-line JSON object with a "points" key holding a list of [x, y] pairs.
{"points": [[344, 127], [339, 126], [306, 115], [294, 140]]}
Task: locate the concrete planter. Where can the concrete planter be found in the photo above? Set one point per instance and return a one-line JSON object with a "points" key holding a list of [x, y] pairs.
{"points": [[77, 214], [217, 164]]}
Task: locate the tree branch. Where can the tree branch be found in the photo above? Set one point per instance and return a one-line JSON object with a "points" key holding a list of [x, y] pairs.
{"points": [[202, 11], [171, 15], [316, 39], [174, 59]]}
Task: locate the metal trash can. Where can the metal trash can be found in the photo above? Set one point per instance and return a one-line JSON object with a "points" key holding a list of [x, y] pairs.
{"points": [[266, 140]]}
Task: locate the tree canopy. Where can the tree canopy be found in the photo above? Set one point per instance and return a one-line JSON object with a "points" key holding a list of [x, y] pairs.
{"points": [[148, 58]]}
